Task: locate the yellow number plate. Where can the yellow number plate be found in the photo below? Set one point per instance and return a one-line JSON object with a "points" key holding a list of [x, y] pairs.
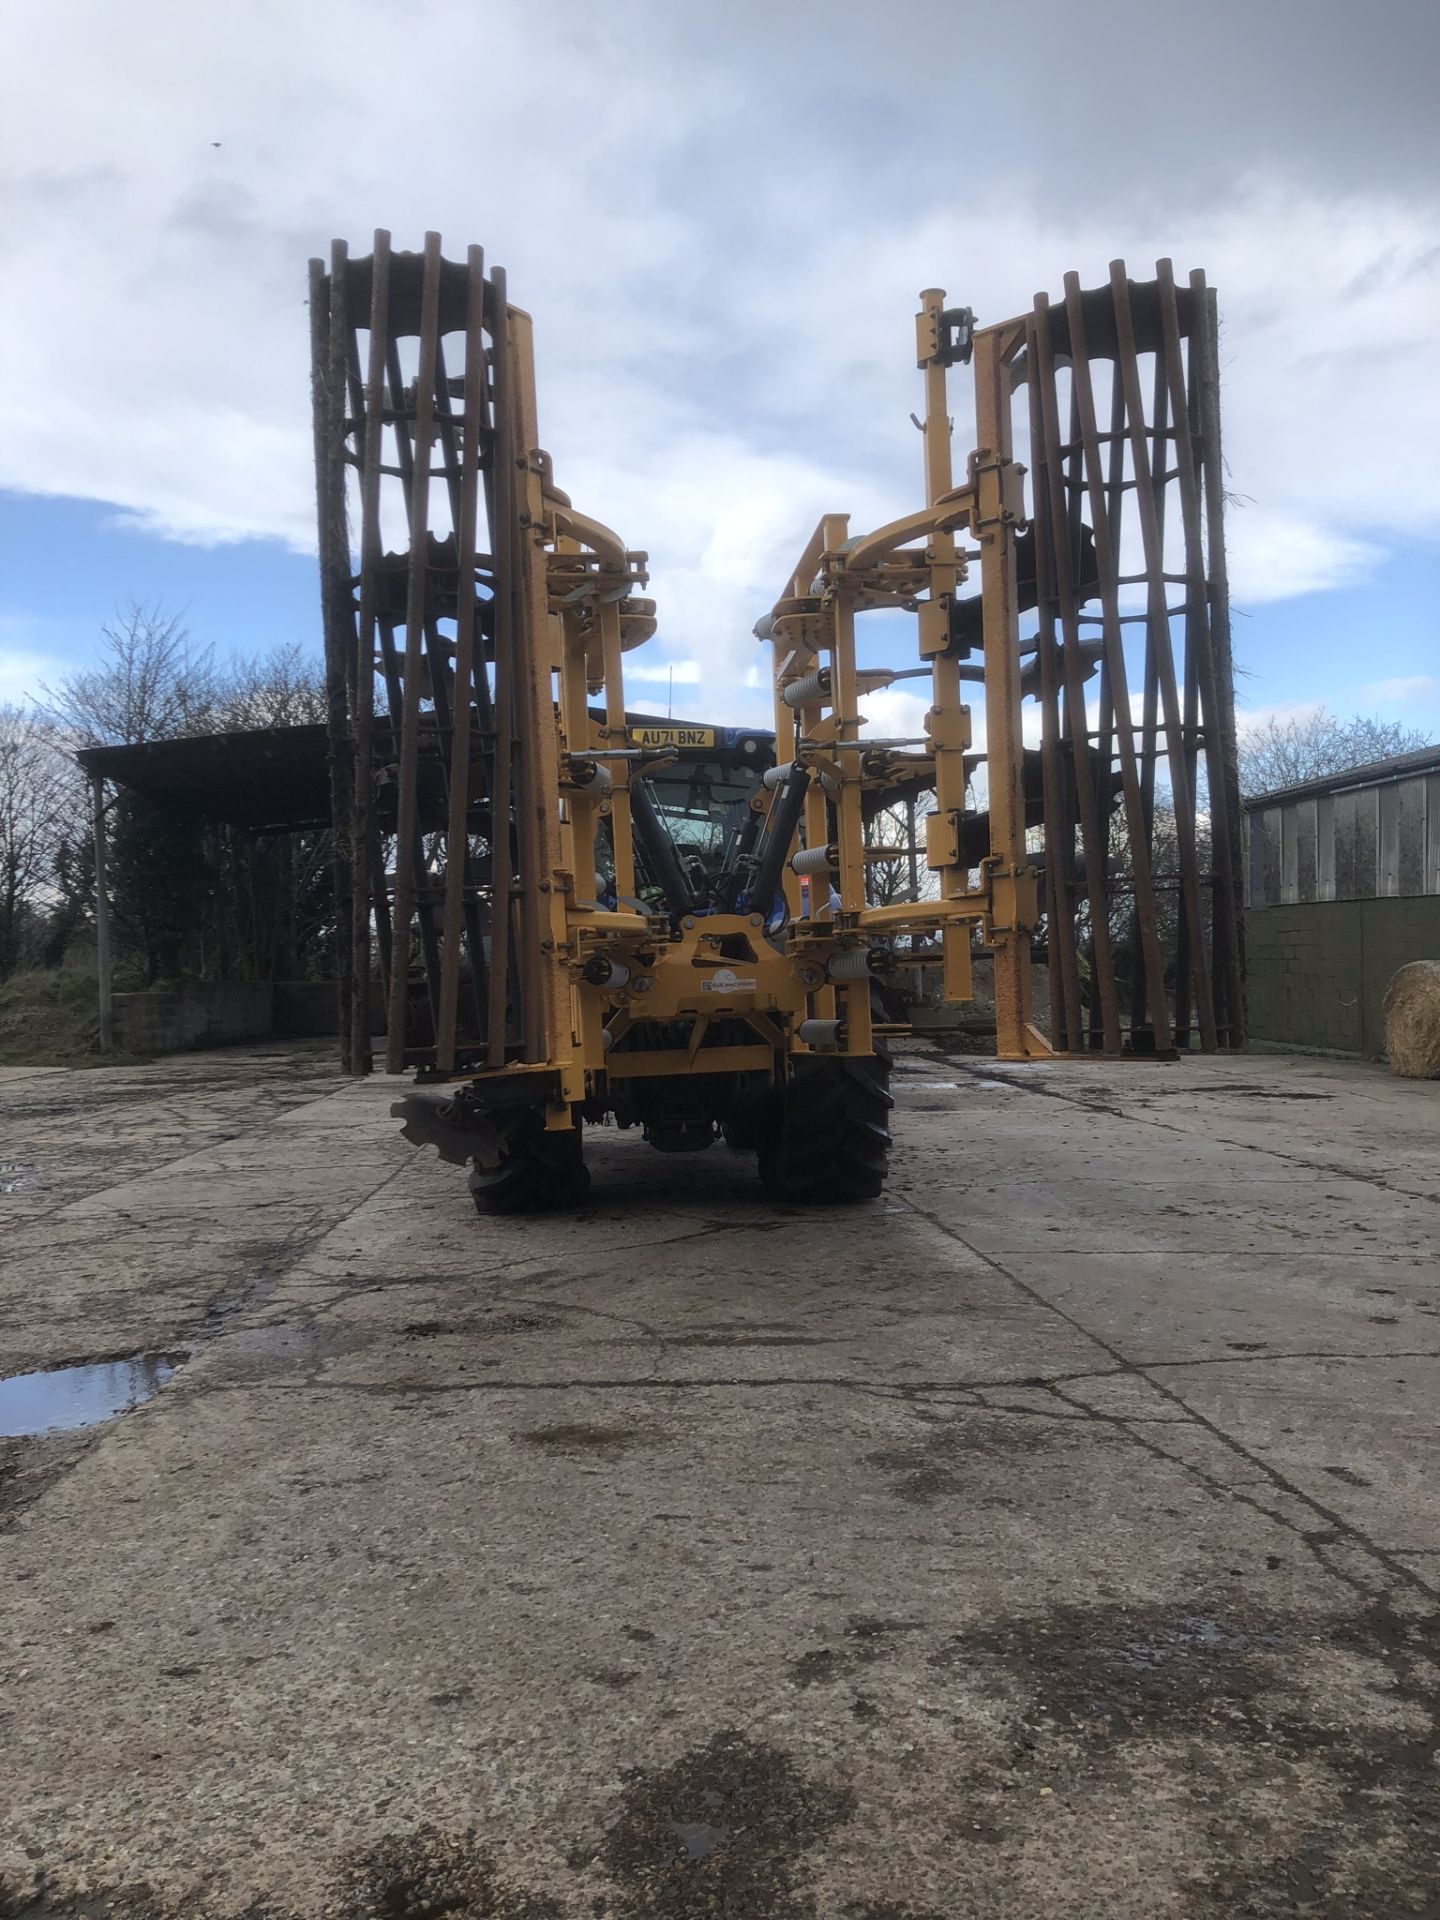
{"points": [[672, 736]]}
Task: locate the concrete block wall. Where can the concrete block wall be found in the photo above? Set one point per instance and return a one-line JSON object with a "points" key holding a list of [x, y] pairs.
{"points": [[1317, 970], [310, 1009], [307, 1008], [196, 1016]]}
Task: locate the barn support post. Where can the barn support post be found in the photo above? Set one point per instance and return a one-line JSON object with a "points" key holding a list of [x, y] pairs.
{"points": [[104, 964]]}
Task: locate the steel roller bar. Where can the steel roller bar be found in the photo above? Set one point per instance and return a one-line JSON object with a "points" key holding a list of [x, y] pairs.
{"points": [[327, 323], [1217, 671], [1160, 659], [1104, 1003], [366, 840], [1058, 777], [504, 799], [457, 840], [408, 851], [1105, 552]]}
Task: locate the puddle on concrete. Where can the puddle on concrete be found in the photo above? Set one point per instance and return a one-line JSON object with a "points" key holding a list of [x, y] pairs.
{"points": [[699, 1840], [15, 1178], [61, 1398]]}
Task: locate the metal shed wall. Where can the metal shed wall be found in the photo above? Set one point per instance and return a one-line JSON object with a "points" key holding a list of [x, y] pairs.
{"points": [[1374, 842], [1342, 887]]}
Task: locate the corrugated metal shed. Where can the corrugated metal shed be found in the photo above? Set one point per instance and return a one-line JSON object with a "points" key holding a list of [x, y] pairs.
{"points": [[1368, 834]]}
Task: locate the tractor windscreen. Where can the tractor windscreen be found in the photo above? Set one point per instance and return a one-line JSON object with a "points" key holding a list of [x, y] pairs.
{"points": [[704, 804], [703, 794]]}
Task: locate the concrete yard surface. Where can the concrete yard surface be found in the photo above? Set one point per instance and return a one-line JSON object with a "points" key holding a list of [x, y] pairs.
{"points": [[1058, 1536]]}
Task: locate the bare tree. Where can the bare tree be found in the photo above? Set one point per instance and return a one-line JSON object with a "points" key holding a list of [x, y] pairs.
{"points": [[1286, 753], [901, 872], [189, 894], [39, 801], [283, 688], [150, 683]]}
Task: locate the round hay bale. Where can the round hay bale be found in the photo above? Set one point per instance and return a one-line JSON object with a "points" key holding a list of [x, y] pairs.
{"points": [[1412, 1021]]}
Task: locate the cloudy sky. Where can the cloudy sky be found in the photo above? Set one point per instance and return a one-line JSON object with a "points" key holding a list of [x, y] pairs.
{"points": [[720, 217]]}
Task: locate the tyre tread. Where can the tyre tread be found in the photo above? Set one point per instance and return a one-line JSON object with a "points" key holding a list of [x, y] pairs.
{"points": [[832, 1140], [539, 1172]]}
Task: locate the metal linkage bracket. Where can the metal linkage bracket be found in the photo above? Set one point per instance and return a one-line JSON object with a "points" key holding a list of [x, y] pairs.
{"points": [[999, 493], [1014, 898], [945, 339], [942, 840]]}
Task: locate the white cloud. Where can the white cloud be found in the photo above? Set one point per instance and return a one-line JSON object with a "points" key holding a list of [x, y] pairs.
{"points": [[1279, 554], [1406, 691], [23, 673], [1417, 696], [894, 714], [721, 248], [26, 663], [680, 673], [1254, 719]]}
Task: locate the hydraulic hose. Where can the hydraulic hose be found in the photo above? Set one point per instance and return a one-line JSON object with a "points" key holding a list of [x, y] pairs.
{"points": [[659, 850], [726, 889], [784, 820]]}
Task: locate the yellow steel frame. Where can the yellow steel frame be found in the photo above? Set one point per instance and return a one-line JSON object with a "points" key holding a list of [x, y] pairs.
{"points": [[579, 610], [915, 563]]}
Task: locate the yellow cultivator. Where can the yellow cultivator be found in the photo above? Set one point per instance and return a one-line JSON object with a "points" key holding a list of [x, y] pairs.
{"points": [[580, 913]]}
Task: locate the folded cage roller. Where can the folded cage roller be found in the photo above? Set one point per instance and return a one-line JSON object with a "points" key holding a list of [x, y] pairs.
{"points": [[1127, 499]]}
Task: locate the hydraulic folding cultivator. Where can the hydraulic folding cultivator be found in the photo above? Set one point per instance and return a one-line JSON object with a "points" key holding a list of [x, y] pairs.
{"points": [[555, 952]]}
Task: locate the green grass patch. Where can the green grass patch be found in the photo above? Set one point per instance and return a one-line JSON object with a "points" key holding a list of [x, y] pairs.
{"points": [[52, 1019]]}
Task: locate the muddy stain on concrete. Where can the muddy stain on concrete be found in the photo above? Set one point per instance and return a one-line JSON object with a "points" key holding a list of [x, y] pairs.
{"points": [[1092, 1687], [931, 1467], [893, 1910], [722, 1830], [418, 1875], [867, 1639]]}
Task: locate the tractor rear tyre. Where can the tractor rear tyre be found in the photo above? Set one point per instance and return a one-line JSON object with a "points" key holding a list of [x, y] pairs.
{"points": [[831, 1139], [539, 1171]]}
